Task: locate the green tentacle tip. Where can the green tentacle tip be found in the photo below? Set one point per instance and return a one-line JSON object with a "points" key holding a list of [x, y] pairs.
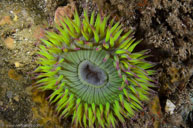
{"points": [[92, 71]]}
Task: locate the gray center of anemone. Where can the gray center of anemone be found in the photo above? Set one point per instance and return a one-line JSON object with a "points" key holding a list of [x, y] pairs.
{"points": [[91, 73]]}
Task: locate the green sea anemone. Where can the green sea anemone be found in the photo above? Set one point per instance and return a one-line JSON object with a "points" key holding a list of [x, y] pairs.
{"points": [[92, 71]]}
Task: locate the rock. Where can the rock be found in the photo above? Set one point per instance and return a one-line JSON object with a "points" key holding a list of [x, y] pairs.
{"points": [[175, 120]]}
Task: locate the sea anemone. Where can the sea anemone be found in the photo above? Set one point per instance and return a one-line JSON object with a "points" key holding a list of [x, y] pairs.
{"points": [[92, 72]]}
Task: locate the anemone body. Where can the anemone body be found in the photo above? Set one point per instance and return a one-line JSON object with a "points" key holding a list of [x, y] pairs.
{"points": [[94, 75]]}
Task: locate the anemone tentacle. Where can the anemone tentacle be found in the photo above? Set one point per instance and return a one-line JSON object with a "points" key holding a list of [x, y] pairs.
{"points": [[93, 73]]}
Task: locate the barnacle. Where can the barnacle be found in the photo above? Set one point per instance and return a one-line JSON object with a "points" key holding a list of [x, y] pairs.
{"points": [[94, 75]]}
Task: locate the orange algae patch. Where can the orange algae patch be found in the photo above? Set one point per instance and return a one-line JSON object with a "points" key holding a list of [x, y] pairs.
{"points": [[5, 20], [14, 75], [9, 43], [42, 112]]}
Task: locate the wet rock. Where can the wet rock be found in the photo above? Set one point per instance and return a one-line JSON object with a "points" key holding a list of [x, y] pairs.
{"points": [[16, 114], [190, 119], [175, 120]]}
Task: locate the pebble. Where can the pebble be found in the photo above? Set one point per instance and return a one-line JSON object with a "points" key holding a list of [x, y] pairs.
{"points": [[169, 108], [17, 64], [9, 94], [16, 98]]}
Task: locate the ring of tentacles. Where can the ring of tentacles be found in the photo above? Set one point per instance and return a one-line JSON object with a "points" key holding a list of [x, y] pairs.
{"points": [[94, 75]]}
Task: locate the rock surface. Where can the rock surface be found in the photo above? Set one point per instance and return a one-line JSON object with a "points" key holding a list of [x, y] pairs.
{"points": [[166, 27]]}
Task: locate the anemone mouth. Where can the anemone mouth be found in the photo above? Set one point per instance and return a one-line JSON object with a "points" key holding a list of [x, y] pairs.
{"points": [[89, 77], [92, 74]]}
